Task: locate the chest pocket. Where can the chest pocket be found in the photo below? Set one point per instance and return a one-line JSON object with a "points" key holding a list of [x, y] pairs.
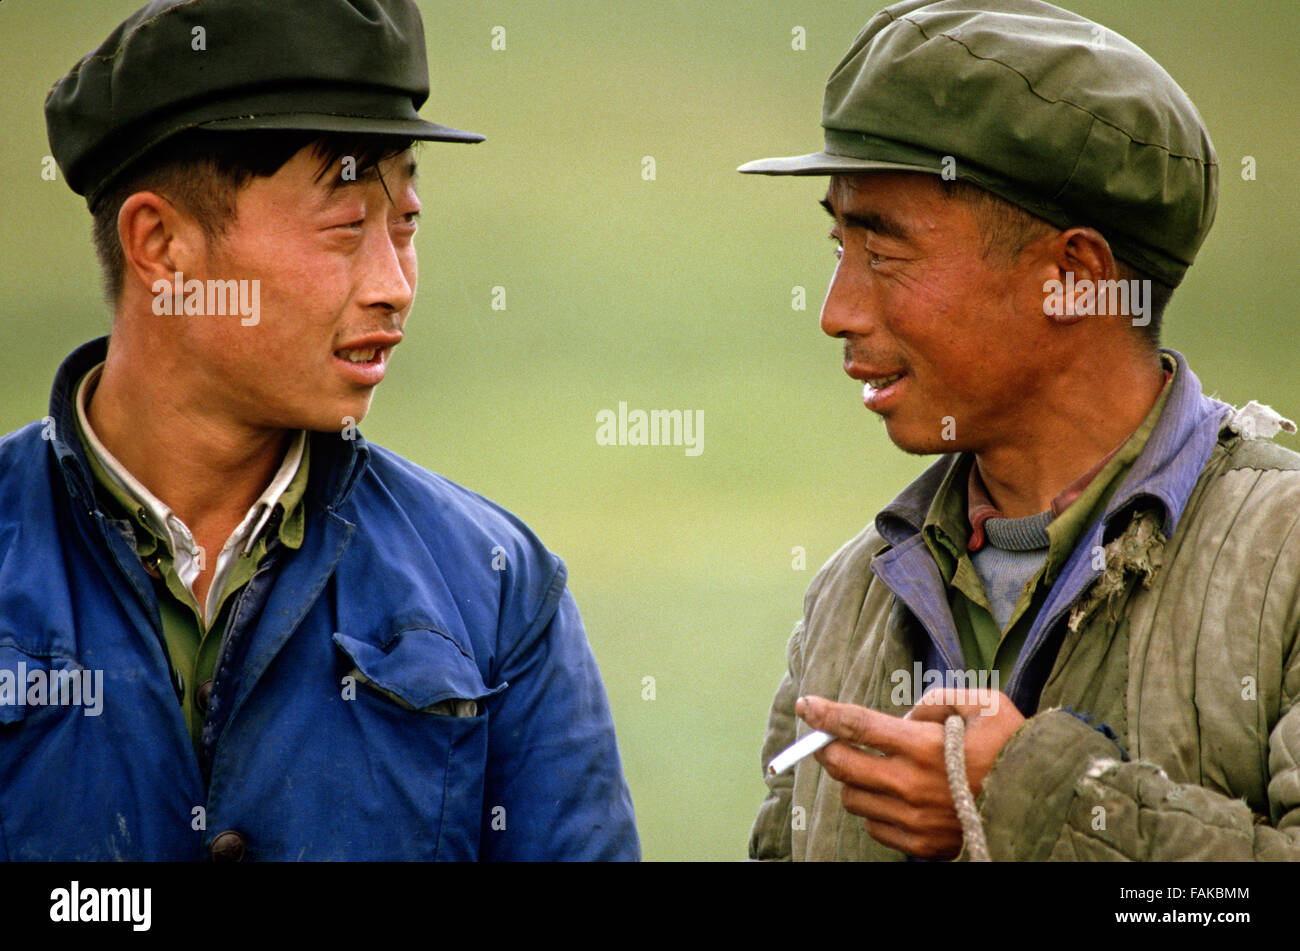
{"points": [[30, 683], [392, 767], [419, 669]]}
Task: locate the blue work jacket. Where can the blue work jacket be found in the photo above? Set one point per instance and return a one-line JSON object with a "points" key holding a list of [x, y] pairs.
{"points": [[413, 683]]}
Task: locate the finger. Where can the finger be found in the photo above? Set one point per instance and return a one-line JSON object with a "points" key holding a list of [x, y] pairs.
{"points": [[923, 785], [926, 833], [923, 819], [848, 721], [941, 846], [863, 769]]}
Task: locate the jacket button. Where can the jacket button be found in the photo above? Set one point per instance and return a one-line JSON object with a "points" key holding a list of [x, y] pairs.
{"points": [[203, 696], [228, 846]]}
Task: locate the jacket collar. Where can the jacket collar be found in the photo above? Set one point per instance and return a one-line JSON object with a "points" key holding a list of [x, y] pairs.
{"points": [[1164, 473], [1180, 445], [63, 411], [341, 461], [1161, 478]]}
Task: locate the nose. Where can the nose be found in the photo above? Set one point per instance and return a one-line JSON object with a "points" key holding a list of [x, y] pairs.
{"points": [[389, 272], [841, 308], [846, 309]]}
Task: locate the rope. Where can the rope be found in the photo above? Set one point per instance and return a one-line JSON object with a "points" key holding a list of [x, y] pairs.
{"points": [[954, 759]]}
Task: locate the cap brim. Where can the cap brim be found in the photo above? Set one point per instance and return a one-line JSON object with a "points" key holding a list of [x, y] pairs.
{"points": [[315, 122], [826, 163]]}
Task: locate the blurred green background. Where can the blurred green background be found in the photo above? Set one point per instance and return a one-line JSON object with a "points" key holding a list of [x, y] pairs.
{"points": [[672, 294]]}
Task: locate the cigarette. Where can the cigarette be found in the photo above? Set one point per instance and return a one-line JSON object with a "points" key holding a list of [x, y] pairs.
{"points": [[792, 754]]}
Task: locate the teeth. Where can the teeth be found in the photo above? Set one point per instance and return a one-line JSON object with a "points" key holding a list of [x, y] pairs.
{"points": [[879, 383], [359, 356]]}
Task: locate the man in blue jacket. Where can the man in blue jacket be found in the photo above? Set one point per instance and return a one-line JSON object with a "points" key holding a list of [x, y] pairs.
{"points": [[229, 626]]}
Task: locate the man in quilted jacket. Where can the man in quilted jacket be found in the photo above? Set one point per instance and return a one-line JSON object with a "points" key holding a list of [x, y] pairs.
{"points": [[1101, 573]]}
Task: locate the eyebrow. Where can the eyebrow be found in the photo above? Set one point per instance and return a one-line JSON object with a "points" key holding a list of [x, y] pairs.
{"points": [[870, 221], [410, 169], [368, 177]]}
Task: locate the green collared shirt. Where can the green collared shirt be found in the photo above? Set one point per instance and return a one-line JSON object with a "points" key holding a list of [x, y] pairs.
{"points": [[192, 645], [947, 531]]}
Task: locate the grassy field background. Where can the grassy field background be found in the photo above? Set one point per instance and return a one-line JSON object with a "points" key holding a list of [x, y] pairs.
{"points": [[667, 294]]}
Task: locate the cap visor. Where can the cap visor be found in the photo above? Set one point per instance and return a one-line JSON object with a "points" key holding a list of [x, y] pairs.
{"points": [[309, 122], [824, 163]]}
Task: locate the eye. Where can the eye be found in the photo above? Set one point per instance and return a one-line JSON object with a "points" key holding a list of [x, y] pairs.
{"points": [[873, 259]]}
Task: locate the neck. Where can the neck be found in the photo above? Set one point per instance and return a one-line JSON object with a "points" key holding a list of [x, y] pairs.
{"points": [[1068, 431], [207, 468]]}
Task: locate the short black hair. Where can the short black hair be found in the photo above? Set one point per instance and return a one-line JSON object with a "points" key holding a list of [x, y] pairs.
{"points": [[201, 171]]}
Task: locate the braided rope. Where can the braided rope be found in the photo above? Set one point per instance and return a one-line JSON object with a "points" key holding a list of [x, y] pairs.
{"points": [[954, 760]]}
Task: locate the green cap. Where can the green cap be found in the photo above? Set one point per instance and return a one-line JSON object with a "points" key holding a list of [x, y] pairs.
{"points": [[312, 65], [1051, 111]]}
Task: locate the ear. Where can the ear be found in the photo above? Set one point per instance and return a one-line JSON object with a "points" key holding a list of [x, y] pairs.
{"points": [[158, 239], [1080, 258]]}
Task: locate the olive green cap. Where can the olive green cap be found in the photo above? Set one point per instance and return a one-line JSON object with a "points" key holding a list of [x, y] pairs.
{"points": [[313, 65], [1051, 111]]}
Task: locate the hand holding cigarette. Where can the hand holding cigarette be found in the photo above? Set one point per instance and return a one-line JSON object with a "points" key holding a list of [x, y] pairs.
{"points": [[898, 782]]}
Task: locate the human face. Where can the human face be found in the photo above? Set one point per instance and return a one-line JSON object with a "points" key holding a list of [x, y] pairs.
{"points": [[337, 275], [929, 325]]}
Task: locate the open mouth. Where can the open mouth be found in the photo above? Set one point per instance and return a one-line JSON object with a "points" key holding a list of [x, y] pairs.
{"points": [[364, 366], [881, 382], [360, 355], [879, 393]]}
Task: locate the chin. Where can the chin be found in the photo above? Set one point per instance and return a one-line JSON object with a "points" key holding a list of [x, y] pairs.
{"points": [[334, 421], [913, 440]]}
